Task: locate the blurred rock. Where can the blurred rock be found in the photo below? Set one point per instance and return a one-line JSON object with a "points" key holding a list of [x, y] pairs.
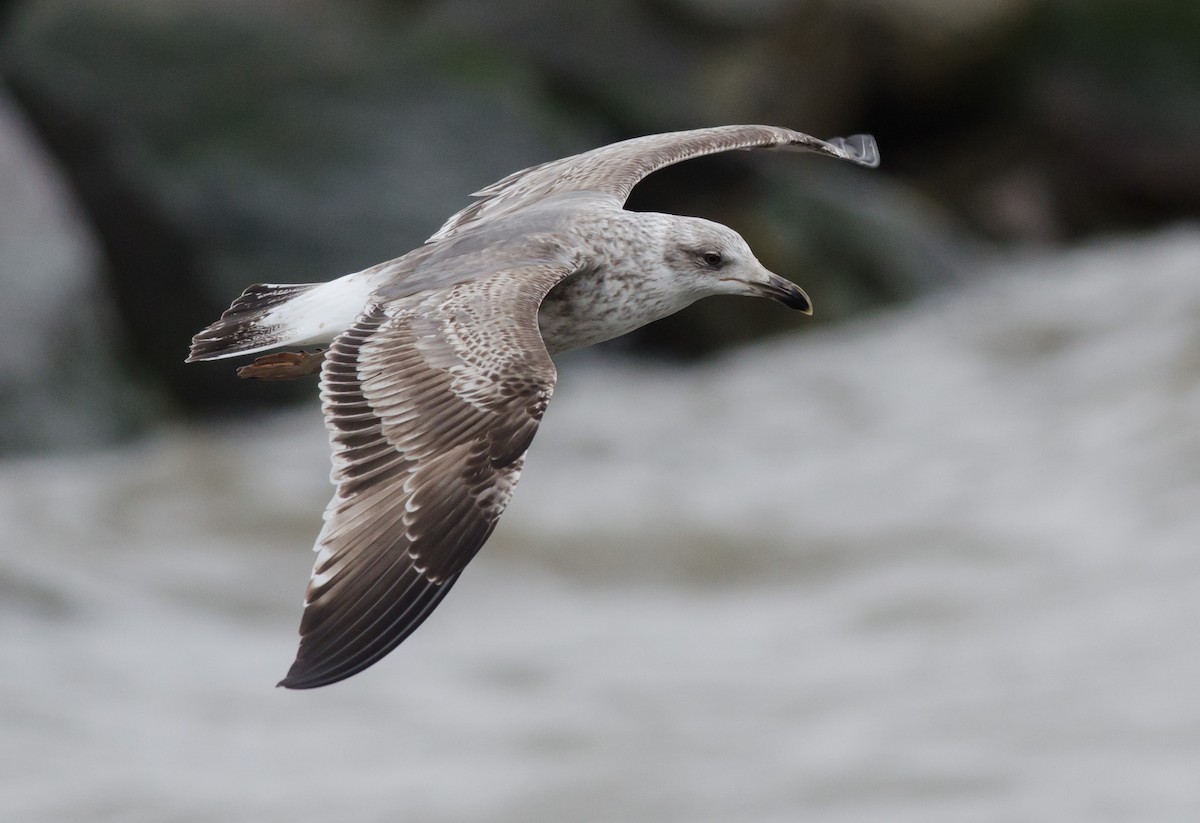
{"points": [[218, 147], [272, 144], [217, 144], [61, 385], [1115, 94], [1054, 121], [658, 66], [150, 257]]}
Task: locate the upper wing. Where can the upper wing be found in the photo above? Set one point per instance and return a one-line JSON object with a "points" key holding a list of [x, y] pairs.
{"points": [[430, 402], [615, 169]]}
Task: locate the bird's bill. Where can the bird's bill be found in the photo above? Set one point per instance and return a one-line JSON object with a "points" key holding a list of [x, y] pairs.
{"points": [[784, 291]]}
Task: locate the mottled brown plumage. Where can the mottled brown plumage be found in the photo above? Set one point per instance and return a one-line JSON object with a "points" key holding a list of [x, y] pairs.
{"points": [[439, 368]]}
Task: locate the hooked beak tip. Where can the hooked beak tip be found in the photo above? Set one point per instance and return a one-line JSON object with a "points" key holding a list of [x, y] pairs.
{"points": [[803, 305], [788, 293]]}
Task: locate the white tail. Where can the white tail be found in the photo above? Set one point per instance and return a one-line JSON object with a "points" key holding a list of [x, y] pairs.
{"points": [[268, 316]]}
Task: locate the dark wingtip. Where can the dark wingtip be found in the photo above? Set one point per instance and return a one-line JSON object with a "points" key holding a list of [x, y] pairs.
{"points": [[320, 662], [299, 679], [302, 675], [295, 684], [857, 148]]}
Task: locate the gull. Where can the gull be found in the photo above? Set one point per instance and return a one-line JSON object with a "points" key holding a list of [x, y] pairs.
{"points": [[438, 367]]}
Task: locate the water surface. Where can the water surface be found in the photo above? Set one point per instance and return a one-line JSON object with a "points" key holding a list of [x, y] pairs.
{"points": [[939, 565]]}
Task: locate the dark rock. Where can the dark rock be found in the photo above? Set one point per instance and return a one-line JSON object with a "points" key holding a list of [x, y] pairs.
{"points": [[62, 383], [214, 145], [214, 149]]}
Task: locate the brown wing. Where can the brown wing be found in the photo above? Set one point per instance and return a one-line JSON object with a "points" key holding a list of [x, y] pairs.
{"points": [[431, 402], [614, 170]]}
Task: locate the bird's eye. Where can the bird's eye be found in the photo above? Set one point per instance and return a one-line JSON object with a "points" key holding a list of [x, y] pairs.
{"points": [[711, 258]]}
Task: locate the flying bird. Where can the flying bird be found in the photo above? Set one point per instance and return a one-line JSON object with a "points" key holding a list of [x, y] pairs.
{"points": [[438, 367]]}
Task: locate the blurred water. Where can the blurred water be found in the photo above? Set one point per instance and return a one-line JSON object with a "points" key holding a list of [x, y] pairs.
{"points": [[941, 565]]}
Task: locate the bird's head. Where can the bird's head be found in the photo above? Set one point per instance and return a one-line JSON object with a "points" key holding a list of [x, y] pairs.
{"points": [[714, 259]]}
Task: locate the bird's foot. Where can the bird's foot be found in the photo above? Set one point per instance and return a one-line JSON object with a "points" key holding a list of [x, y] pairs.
{"points": [[283, 365]]}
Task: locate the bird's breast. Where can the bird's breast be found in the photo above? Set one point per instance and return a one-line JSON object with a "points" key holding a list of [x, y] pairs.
{"points": [[597, 305]]}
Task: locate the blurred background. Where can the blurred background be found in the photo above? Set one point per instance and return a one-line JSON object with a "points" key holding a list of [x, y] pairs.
{"points": [[930, 555]]}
